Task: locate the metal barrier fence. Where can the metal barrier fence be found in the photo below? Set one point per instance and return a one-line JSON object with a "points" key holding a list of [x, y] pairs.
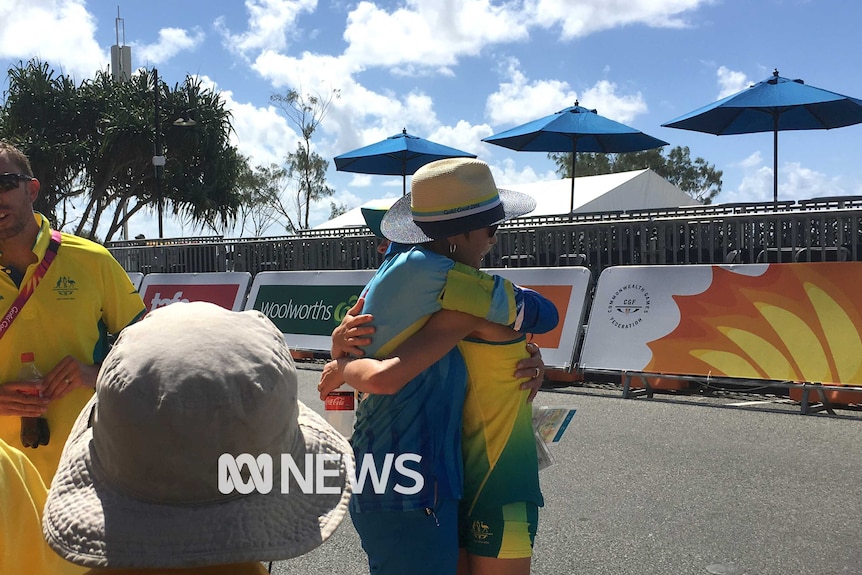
{"points": [[809, 230]]}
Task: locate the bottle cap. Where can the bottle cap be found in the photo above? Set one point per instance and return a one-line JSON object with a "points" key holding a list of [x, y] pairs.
{"points": [[28, 357]]}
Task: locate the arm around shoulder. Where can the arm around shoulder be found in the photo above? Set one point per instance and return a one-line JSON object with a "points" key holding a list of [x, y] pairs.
{"points": [[387, 376]]}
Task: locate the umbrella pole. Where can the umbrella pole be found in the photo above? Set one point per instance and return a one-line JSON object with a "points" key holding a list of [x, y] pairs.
{"points": [[572, 192], [775, 166]]}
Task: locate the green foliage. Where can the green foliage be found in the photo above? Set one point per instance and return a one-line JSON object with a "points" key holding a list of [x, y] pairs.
{"points": [[261, 188], [93, 144], [305, 167], [336, 210], [696, 177]]}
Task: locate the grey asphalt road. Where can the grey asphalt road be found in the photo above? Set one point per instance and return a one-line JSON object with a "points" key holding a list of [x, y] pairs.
{"points": [[726, 485]]}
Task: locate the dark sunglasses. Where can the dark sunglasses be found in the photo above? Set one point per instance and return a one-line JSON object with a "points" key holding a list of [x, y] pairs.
{"points": [[492, 230], [10, 181]]}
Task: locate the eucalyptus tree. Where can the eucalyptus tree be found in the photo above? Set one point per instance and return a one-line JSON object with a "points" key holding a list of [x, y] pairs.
{"points": [[262, 207], [305, 166], [696, 178]]}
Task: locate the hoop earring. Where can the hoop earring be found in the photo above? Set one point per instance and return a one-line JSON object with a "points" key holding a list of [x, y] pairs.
{"points": [[452, 248]]}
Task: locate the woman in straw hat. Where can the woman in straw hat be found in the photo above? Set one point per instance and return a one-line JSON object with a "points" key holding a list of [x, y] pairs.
{"points": [[145, 481], [453, 211]]}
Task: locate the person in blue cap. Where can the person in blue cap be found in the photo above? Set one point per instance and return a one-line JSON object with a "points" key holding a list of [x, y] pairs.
{"points": [[373, 213]]}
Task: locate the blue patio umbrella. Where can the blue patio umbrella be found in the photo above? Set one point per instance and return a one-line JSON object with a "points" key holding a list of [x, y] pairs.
{"points": [[575, 129], [773, 105], [401, 154]]}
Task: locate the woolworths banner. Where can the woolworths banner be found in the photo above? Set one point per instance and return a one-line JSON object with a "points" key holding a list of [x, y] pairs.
{"points": [[307, 306]]}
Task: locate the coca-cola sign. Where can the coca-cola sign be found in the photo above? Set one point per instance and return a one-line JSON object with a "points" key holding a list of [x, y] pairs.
{"points": [[339, 401]]}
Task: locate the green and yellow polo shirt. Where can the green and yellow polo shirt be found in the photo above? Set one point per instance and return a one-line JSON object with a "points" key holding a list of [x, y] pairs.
{"points": [[84, 296]]}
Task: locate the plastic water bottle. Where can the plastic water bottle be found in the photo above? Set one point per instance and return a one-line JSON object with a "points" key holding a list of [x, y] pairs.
{"points": [[34, 430], [339, 409]]}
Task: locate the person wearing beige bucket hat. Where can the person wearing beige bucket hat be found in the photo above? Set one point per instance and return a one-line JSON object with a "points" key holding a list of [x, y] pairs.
{"points": [[145, 480], [417, 387]]}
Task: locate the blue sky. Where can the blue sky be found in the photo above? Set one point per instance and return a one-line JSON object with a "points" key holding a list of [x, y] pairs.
{"points": [[456, 72]]}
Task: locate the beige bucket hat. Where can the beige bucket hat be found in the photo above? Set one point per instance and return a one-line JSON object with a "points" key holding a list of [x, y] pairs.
{"points": [[140, 483]]}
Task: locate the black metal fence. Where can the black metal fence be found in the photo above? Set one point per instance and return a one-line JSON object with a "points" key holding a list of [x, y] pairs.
{"points": [[820, 229]]}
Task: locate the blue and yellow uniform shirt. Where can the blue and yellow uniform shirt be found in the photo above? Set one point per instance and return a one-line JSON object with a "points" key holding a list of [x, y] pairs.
{"points": [[500, 462], [424, 418], [84, 296]]}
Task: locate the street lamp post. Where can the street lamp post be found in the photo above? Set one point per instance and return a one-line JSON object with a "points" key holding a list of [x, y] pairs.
{"points": [[158, 157]]}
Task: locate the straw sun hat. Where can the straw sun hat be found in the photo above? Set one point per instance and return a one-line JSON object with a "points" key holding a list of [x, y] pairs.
{"points": [[139, 486], [450, 197]]}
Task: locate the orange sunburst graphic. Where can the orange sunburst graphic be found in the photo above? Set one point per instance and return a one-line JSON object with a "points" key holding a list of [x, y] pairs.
{"points": [[796, 322]]}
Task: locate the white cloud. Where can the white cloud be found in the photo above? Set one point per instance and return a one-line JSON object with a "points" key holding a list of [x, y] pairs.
{"points": [[46, 30], [507, 173], [172, 41], [361, 181], [269, 23], [260, 133], [730, 82], [621, 108], [753, 161], [361, 116], [428, 33], [463, 136], [515, 101], [590, 16], [357, 106], [795, 182]]}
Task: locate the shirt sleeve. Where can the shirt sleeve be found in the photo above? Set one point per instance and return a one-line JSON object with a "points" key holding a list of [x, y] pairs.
{"points": [[535, 313], [122, 304], [474, 292]]}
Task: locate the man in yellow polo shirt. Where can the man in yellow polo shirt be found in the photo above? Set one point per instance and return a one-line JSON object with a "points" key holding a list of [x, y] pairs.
{"points": [[81, 298]]}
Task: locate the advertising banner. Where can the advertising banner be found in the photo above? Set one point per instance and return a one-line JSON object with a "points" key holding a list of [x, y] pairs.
{"points": [[797, 322], [567, 288], [226, 289], [307, 306], [137, 278]]}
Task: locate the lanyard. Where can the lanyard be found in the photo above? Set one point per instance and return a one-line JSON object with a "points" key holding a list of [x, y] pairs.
{"points": [[30, 287]]}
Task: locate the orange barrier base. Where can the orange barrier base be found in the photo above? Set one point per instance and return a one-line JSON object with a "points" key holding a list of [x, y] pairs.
{"points": [[302, 354], [562, 375], [833, 394], [657, 383]]}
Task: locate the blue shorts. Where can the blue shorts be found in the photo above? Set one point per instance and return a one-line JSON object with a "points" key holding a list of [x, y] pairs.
{"points": [[416, 542], [506, 532]]}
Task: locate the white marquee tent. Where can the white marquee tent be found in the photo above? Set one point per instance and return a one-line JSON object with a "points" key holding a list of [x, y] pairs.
{"points": [[637, 190]]}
